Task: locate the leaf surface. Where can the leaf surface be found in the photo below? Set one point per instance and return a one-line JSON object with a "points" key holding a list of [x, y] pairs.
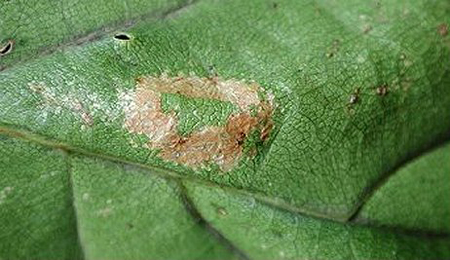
{"points": [[359, 88]]}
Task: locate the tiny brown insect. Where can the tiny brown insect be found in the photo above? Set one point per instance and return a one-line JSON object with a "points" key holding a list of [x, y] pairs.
{"points": [[354, 98], [443, 29], [240, 138], [367, 28], [382, 90], [222, 211]]}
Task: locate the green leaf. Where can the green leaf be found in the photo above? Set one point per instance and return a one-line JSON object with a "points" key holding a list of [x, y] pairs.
{"points": [[90, 168], [424, 182]]}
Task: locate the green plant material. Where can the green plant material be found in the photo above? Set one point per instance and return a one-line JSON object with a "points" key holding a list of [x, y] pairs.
{"points": [[264, 232], [143, 216], [359, 88], [195, 113], [42, 27], [424, 182], [36, 207]]}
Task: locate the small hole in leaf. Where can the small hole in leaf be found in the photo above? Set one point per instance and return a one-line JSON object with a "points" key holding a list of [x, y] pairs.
{"points": [[6, 49], [122, 37]]}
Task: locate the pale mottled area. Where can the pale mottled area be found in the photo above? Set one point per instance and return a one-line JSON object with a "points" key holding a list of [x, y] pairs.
{"points": [[53, 102], [144, 115], [240, 93], [221, 145]]}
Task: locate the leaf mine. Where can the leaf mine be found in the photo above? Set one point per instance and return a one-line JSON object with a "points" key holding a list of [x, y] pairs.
{"points": [[55, 103], [223, 144]]}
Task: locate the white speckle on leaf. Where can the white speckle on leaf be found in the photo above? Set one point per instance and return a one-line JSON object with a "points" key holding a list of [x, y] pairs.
{"points": [[407, 63], [4, 193], [105, 212], [53, 101]]}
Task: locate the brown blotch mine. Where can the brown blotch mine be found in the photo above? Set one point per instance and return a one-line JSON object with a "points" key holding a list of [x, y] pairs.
{"points": [[443, 29], [221, 145]]}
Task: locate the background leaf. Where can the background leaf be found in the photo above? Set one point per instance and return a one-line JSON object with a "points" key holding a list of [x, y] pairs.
{"points": [[360, 89]]}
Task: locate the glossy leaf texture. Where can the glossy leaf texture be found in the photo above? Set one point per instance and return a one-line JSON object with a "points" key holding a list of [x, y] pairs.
{"points": [[355, 166]]}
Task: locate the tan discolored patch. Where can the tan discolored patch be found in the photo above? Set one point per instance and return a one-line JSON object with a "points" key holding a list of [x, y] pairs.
{"points": [[221, 145], [239, 93], [443, 29]]}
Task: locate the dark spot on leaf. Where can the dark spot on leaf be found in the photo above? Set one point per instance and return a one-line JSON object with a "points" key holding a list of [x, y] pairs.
{"points": [[382, 90], [276, 233], [130, 226], [7, 48], [443, 29], [240, 138], [122, 37], [367, 28], [334, 48], [212, 71], [275, 5]]}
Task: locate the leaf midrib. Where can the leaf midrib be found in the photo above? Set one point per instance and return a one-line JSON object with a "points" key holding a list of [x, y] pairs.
{"points": [[206, 225], [158, 170], [73, 204], [173, 175]]}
